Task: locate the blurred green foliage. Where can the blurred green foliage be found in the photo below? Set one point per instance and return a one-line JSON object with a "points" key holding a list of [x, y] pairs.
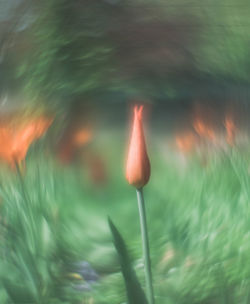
{"points": [[69, 55], [116, 49], [198, 219], [198, 214]]}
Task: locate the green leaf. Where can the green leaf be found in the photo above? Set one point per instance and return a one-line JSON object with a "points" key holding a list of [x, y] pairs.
{"points": [[18, 293], [134, 290]]}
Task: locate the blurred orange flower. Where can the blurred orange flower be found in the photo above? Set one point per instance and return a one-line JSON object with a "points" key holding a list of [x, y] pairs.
{"points": [[97, 169], [72, 141], [15, 138], [231, 130], [186, 141], [203, 130], [138, 165], [82, 136]]}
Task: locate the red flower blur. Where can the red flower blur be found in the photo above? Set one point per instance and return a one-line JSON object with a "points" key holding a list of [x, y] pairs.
{"points": [[16, 138], [231, 130]]}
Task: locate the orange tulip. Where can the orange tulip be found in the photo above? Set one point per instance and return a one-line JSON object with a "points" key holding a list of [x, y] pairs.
{"points": [[15, 140], [72, 141], [138, 165]]}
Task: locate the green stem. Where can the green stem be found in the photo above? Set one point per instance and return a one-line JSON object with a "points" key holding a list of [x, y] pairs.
{"points": [[27, 207], [29, 227], [145, 246]]}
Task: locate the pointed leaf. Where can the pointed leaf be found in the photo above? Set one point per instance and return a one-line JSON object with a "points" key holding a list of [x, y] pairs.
{"points": [[134, 290]]}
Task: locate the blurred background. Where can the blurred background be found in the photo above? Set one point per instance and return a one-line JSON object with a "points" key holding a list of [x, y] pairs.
{"points": [[73, 70]]}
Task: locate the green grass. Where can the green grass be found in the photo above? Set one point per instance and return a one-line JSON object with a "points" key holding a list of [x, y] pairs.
{"points": [[198, 221]]}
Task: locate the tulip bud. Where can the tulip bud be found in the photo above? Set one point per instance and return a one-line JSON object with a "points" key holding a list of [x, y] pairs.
{"points": [[138, 165]]}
